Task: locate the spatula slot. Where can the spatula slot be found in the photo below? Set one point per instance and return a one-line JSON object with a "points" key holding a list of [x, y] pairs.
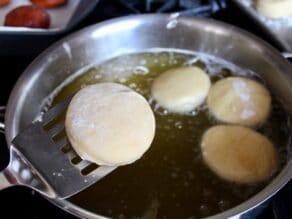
{"points": [[90, 168], [76, 160], [66, 149]]}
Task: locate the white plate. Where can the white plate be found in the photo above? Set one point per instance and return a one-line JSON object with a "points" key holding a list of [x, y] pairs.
{"points": [[280, 29], [60, 16]]}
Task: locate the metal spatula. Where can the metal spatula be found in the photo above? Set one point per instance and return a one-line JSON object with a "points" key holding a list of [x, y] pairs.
{"points": [[41, 158]]}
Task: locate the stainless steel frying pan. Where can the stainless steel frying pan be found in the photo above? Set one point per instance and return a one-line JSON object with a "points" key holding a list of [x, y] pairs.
{"points": [[106, 40]]}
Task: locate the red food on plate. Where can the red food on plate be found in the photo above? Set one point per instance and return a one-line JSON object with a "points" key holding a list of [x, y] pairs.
{"points": [[4, 2], [28, 16], [49, 3]]}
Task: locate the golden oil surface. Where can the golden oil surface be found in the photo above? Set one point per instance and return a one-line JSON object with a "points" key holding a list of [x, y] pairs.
{"points": [[171, 179]]}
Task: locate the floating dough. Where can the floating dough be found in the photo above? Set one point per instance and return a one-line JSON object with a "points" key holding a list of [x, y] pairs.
{"points": [[181, 89], [238, 154], [239, 100], [109, 124], [274, 8]]}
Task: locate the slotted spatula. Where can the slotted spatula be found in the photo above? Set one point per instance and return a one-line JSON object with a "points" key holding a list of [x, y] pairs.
{"points": [[45, 163]]}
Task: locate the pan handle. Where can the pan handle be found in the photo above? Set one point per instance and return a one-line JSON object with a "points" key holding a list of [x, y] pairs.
{"points": [[2, 113], [5, 179], [287, 55], [4, 176]]}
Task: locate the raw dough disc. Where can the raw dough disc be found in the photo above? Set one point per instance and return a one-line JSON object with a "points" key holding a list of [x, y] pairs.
{"points": [[239, 100], [274, 8], [182, 89], [238, 154], [109, 124]]}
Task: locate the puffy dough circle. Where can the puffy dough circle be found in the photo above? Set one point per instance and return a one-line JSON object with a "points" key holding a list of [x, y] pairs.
{"points": [[274, 8], [238, 153], [239, 100], [109, 124], [181, 89]]}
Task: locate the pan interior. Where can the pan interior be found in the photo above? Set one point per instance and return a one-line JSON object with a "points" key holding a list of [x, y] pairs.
{"points": [[171, 180]]}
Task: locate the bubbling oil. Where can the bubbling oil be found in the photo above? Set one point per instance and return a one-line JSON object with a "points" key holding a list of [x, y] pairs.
{"points": [[171, 179]]}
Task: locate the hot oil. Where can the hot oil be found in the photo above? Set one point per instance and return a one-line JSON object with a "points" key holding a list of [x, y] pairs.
{"points": [[171, 179]]}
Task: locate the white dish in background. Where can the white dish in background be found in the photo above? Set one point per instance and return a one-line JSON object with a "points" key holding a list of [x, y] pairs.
{"points": [[60, 16], [280, 29]]}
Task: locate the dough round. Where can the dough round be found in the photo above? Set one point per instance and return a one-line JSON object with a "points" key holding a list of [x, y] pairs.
{"points": [[239, 100], [238, 154], [182, 89], [109, 124], [274, 8]]}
